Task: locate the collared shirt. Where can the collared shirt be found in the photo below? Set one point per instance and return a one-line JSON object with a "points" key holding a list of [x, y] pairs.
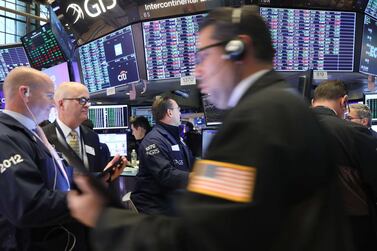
{"points": [[25, 121], [243, 86]]}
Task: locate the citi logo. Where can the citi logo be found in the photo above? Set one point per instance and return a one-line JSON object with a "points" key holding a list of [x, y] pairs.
{"points": [[122, 76], [98, 8]]}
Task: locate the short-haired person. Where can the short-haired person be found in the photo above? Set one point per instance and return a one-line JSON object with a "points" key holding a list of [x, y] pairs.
{"points": [[361, 114], [355, 152], [164, 162], [140, 127], [33, 183], [261, 185]]}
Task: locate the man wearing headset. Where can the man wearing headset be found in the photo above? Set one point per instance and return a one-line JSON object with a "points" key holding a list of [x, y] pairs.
{"points": [[267, 180]]}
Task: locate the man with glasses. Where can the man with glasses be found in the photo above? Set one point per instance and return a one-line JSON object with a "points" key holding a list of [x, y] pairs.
{"points": [[72, 105], [267, 179], [355, 153], [361, 114], [164, 162]]}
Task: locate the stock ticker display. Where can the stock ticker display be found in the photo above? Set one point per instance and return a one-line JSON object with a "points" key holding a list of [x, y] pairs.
{"points": [[371, 8], [109, 116], [42, 48], [368, 56], [312, 39], [10, 58], [109, 61], [170, 46]]}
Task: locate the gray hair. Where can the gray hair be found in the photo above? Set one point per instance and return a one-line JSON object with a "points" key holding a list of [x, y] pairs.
{"points": [[362, 112]]}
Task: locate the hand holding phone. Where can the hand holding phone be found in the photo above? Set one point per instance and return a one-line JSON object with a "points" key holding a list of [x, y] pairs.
{"points": [[111, 169]]}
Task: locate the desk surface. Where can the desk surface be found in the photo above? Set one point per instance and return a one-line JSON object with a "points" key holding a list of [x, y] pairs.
{"points": [[130, 171]]}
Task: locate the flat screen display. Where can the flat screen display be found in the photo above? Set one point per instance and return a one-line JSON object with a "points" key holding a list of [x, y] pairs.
{"points": [[312, 39], [42, 48], [207, 135], [109, 61], [109, 116], [213, 115], [2, 104], [117, 143], [58, 73], [368, 55], [170, 46], [371, 8], [145, 111], [370, 99], [11, 56]]}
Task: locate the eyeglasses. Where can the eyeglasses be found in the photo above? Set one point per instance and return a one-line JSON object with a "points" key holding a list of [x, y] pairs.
{"points": [[349, 117], [82, 101], [200, 56]]}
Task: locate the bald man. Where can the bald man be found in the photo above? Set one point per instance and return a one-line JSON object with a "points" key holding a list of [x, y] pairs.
{"points": [[72, 104], [33, 184]]}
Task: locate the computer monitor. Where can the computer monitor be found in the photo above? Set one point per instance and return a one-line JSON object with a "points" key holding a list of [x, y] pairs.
{"points": [[370, 99], [368, 56], [312, 39], [117, 142], [58, 73], [109, 116], [213, 115], [207, 136], [11, 56], [109, 61], [371, 8], [170, 46], [145, 111], [2, 104], [43, 48]]}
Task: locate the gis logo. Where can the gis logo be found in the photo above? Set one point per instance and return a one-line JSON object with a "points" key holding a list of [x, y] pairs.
{"points": [[91, 9], [122, 76]]}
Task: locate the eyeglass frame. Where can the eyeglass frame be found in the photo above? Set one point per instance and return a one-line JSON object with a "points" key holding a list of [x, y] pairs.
{"points": [[172, 108], [82, 100], [221, 43]]}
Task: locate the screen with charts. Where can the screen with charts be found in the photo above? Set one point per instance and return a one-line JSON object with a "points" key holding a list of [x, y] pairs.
{"points": [[207, 135], [368, 55], [371, 8], [117, 142], [109, 116], [109, 61], [370, 99], [145, 111], [213, 115], [170, 46], [11, 56], [312, 39], [42, 48]]}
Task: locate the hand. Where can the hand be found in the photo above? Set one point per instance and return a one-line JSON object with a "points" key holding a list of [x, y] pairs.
{"points": [[117, 171], [87, 206]]}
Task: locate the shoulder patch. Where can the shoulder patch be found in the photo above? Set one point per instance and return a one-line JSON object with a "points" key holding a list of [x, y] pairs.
{"points": [[152, 150], [223, 180]]}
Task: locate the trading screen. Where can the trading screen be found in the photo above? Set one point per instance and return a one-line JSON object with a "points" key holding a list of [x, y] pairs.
{"points": [[368, 56], [109, 116], [312, 39], [10, 58], [170, 46], [109, 61]]}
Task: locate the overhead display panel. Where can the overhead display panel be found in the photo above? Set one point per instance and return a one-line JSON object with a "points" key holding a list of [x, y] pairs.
{"points": [[109, 61], [170, 46], [371, 8], [368, 56], [11, 56], [312, 39]]}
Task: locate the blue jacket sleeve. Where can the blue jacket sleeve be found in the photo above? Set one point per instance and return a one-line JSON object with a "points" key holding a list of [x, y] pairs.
{"points": [[26, 201]]}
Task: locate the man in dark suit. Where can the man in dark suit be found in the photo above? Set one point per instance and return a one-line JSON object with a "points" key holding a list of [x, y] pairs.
{"points": [[354, 148], [267, 180], [72, 104]]}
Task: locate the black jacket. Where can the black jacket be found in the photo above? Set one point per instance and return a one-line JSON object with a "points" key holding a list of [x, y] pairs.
{"points": [[294, 205], [33, 205], [96, 162]]}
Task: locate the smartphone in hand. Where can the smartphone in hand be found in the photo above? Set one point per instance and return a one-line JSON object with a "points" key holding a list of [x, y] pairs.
{"points": [[111, 169]]}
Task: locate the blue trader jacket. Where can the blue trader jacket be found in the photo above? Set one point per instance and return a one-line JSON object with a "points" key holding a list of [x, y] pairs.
{"points": [[33, 192], [165, 163]]}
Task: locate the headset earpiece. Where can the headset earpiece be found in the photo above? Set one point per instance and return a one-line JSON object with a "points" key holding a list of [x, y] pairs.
{"points": [[27, 92], [235, 48]]}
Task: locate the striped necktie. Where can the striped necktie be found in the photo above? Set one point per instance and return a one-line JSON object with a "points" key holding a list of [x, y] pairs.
{"points": [[73, 141]]}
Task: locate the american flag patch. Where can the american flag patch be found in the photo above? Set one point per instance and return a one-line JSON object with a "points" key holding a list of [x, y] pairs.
{"points": [[224, 180]]}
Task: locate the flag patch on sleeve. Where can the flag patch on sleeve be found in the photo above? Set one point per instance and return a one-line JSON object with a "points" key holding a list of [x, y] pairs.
{"points": [[223, 180]]}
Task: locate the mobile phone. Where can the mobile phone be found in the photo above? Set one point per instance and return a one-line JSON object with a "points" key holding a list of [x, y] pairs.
{"points": [[111, 169]]}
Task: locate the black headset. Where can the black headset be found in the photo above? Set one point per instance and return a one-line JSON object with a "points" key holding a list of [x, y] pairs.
{"points": [[235, 48]]}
